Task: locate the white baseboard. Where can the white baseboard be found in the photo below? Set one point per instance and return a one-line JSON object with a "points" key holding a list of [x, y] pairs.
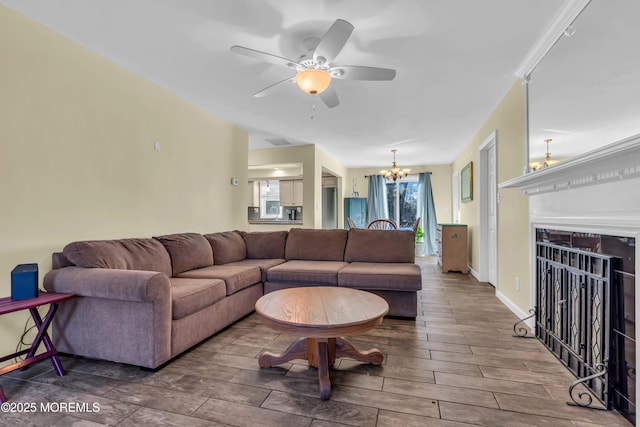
{"points": [[474, 273], [510, 305], [516, 310]]}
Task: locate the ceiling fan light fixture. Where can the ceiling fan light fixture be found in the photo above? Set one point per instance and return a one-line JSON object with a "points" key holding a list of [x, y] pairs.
{"points": [[313, 81], [314, 69]]}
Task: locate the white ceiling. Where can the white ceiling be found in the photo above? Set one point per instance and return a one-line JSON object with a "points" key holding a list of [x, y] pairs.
{"points": [[586, 91], [455, 60]]}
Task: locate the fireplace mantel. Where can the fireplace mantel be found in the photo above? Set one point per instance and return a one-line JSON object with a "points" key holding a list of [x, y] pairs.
{"points": [[614, 162], [594, 193]]}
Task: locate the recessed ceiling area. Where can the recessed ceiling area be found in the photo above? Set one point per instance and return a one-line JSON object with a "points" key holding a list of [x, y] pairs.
{"points": [[455, 60]]}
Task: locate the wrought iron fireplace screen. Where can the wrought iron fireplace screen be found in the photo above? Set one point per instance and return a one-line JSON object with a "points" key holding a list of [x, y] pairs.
{"points": [[573, 317]]}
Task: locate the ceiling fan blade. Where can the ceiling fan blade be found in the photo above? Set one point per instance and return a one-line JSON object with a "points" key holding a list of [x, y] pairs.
{"points": [[270, 89], [358, 72], [333, 41], [330, 97], [264, 56]]}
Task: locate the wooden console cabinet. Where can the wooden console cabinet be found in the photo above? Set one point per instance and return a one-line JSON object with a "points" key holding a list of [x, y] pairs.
{"points": [[452, 247]]}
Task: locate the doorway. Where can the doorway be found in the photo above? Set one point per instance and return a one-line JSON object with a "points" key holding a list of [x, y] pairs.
{"points": [[402, 201], [329, 201], [488, 211]]}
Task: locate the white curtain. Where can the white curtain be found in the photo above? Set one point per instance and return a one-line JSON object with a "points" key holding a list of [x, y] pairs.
{"points": [[427, 213], [377, 201]]}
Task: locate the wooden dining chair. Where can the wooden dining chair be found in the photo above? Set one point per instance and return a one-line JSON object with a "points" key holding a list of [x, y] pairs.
{"points": [[351, 223], [416, 224], [382, 224]]}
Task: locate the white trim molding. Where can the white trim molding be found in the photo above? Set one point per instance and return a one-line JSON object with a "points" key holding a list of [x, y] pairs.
{"points": [[483, 205], [550, 36], [516, 310], [474, 273], [490, 140], [614, 162]]}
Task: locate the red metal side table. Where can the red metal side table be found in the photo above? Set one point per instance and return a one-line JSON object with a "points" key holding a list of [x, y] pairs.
{"points": [[7, 305]]}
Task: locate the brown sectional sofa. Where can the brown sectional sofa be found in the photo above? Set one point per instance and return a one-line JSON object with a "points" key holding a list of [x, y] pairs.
{"points": [[144, 301]]}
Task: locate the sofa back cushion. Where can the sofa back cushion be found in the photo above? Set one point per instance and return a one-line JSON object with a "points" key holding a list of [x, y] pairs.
{"points": [[125, 254], [188, 251], [227, 246], [265, 244], [317, 245], [365, 245], [59, 260]]}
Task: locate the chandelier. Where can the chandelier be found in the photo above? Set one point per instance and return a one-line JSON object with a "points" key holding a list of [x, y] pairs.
{"points": [[313, 80], [395, 172], [547, 159]]}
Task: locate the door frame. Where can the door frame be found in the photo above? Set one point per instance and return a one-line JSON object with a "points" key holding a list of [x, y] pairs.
{"points": [[483, 206]]}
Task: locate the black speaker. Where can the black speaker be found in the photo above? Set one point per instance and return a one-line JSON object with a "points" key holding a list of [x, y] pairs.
{"points": [[24, 281]]}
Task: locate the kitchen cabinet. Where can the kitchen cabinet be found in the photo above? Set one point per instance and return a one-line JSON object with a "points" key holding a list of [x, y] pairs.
{"points": [[297, 192], [286, 193], [452, 247], [291, 192]]}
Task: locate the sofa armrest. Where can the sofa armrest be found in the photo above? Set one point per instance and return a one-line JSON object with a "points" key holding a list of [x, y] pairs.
{"points": [[120, 315], [125, 285]]}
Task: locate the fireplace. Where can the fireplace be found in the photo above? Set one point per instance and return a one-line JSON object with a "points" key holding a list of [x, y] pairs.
{"points": [[585, 312], [589, 206]]}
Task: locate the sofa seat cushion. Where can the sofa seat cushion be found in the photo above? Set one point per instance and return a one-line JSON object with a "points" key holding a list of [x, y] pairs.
{"points": [[381, 276], [263, 264], [189, 296], [187, 250], [228, 246], [236, 277], [315, 272], [123, 254]]}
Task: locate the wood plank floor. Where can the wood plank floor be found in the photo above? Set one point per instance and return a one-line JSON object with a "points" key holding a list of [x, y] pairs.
{"points": [[456, 365]]}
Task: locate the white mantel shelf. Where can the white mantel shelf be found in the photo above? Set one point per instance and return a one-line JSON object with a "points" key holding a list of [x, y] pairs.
{"points": [[614, 162], [592, 193]]}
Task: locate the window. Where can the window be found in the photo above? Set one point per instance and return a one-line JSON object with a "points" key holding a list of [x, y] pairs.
{"points": [[270, 200], [402, 200]]}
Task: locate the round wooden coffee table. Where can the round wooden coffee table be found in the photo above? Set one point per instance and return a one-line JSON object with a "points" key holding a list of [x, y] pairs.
{"points": [[322, 316]]}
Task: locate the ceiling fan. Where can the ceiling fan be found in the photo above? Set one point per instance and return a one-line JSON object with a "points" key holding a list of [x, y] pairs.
{"points": [[315, 71]]}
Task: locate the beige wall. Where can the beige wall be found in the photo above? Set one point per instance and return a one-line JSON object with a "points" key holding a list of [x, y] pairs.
{"points": [[303, 154], [314, 161], [77, 162], [77, 159], [325, 163], [513, 229], [440, 183]]}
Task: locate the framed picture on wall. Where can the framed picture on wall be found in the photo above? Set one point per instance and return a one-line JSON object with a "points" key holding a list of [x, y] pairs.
{"points": [[466, 183]]}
